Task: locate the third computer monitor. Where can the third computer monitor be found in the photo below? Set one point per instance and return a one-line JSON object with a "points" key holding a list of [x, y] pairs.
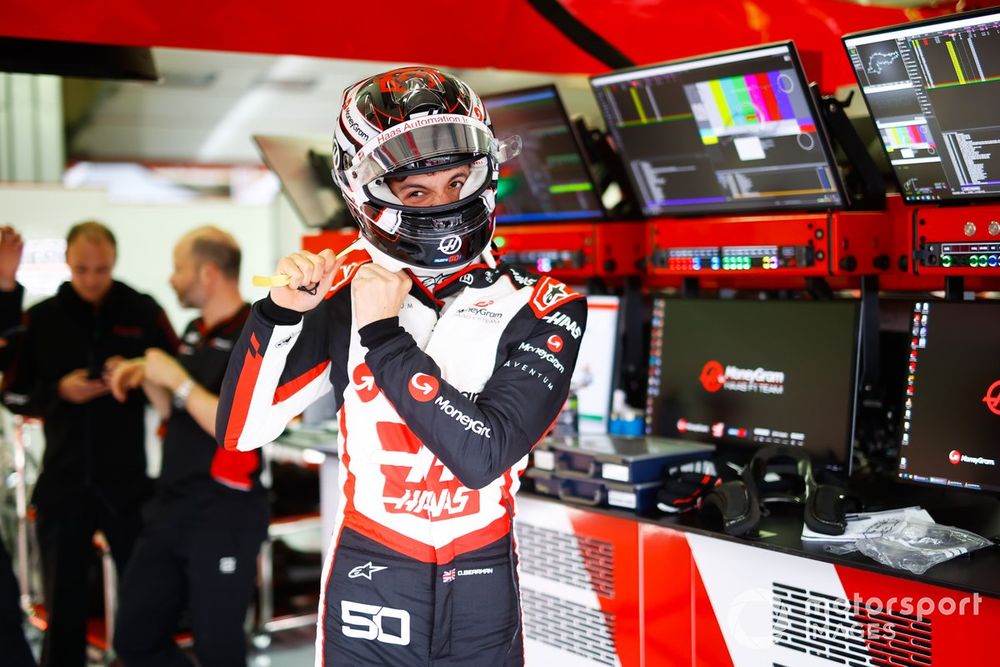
{"points": [[950, 433], [723, 133], [745, 374], [932, 89]]}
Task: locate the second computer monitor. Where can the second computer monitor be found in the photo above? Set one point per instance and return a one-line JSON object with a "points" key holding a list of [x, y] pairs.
{"points": [[723, 133], [549, 181], [744, 374]]}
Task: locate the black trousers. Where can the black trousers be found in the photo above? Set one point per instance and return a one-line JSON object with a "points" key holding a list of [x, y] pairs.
{"points": [[14, 648], [197, 554], [383, 608], [65, 540]]}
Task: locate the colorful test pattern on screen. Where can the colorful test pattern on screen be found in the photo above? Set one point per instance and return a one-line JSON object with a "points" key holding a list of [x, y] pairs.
{"points": [[933, 90], [549, 181], [729, 132]]}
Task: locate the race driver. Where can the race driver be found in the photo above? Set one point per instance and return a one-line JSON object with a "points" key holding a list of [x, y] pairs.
{"points": [[446, 368]]}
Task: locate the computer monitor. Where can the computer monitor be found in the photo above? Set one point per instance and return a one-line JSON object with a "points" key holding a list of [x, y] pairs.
{"points": [[744, 374], [950, 433], [549, 181], [303, 165], [932, 89], [722, 133]]}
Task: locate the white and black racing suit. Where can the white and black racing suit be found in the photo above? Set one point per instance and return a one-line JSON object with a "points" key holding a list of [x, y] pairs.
{"points": [[438, 409]]}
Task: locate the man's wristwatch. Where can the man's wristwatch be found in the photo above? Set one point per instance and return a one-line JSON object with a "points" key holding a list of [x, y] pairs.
{"points": [[182, 392]]}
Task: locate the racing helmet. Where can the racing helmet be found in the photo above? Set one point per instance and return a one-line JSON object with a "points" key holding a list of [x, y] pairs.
{"points": [[416, 120]]}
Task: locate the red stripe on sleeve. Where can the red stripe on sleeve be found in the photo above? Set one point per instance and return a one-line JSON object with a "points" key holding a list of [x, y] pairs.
{"points": [[244, 393], [289, 389]]}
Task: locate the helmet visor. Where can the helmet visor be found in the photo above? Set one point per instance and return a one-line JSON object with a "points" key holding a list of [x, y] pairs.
{"points": [[425, 138]]}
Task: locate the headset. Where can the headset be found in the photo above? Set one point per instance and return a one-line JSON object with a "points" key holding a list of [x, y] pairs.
{"points": [[738, 503]]}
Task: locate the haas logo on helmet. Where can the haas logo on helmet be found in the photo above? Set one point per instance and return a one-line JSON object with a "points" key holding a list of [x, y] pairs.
{"points": [[450, 244]]}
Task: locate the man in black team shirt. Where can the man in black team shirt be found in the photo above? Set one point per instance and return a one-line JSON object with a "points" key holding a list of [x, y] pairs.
{"points": [[94, 466], [209, 516]]}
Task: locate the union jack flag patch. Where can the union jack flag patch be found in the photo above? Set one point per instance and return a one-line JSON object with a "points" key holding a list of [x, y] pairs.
{"points": [[448, 575]]}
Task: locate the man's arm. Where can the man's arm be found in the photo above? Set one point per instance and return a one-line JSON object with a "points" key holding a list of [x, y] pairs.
{"points": [[11, 292], [478, 440], [24, 391], [278, 367], [161, 376], [275, 371]]}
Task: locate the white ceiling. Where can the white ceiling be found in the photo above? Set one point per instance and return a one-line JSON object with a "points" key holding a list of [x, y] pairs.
{"points": [[208, 104]]}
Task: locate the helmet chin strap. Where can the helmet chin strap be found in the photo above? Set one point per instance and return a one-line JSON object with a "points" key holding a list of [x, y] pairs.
{"points": [[428, 276]]}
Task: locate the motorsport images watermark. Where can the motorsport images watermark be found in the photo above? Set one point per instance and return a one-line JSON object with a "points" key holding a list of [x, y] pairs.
{"points": [[758, 618]]}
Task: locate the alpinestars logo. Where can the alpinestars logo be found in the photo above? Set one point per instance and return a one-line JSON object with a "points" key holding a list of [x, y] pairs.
{"points": [[992, 398], [955, 457], [470, 424], [366, 571], [745, 380]]}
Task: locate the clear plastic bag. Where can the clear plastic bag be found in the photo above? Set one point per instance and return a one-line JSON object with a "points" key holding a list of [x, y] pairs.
{"points": [[919, 545]]}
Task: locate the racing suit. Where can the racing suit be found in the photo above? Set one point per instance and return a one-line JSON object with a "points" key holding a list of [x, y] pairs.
{"points": [[438, 409]]}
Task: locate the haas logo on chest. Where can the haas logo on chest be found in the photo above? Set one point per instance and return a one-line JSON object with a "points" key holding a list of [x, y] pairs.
{"points": [[416, 482]]}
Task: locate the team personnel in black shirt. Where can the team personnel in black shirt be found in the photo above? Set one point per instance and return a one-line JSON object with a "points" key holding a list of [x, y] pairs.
{"points": [[13, 646], [94, 466], [209, 516]]}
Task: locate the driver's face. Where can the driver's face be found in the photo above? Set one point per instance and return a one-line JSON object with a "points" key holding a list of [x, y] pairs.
{"points": [[431, 189]]}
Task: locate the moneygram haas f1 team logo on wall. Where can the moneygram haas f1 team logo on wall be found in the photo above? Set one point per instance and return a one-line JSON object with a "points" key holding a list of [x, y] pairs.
{"points": [[992, 398], [713, 376]]}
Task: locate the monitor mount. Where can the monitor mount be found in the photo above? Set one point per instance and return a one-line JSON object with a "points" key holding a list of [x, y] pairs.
{"points": [[863, 183]]}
